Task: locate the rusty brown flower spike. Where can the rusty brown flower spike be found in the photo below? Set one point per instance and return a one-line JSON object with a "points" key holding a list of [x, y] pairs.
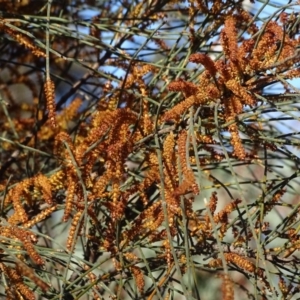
{"points": [[22, 39], [50, 100]]}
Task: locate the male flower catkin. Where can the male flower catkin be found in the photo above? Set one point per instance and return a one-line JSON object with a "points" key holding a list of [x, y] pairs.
{"points": [[50, 99]]}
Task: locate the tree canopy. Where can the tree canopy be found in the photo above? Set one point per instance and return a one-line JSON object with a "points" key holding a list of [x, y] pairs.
{"points": [[149, 149]]}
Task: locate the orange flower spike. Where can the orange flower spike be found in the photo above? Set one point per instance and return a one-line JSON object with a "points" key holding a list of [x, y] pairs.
{"points": [[168, 253], [69, 200], [157, 220], [15, 276], [189, 181], [147, 123], [236, 104], [69, 113], [44, 183], [117, 208], [240, 261], [230, 45], [49, 89], [232, 206], [227, 288], [238, 148], [188, 88], [215, 263], [240, 91], [195, 95], [60, 139], [265, 54], [12, 274], [285, 289], [120, 120], [224, 71], [40, 217], [26, 238], [15, 196], [22, 39], [27, 272], [25, 291], [99, 188], [206, 61], [139, 278], [168, 155], [177, 110], [213, 201], [181, 143], [56, 180], [131, 257], [144, 220], [73, 228]]}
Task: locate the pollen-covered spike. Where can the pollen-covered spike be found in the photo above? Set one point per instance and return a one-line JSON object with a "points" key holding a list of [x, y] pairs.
{"points": [[72, 233], [50, 98]]}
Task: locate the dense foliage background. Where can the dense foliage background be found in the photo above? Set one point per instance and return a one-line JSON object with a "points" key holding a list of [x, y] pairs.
{"points": [[149, 149]]}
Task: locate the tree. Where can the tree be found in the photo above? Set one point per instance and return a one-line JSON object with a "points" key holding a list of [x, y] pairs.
{"points": [[148, 147]]}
